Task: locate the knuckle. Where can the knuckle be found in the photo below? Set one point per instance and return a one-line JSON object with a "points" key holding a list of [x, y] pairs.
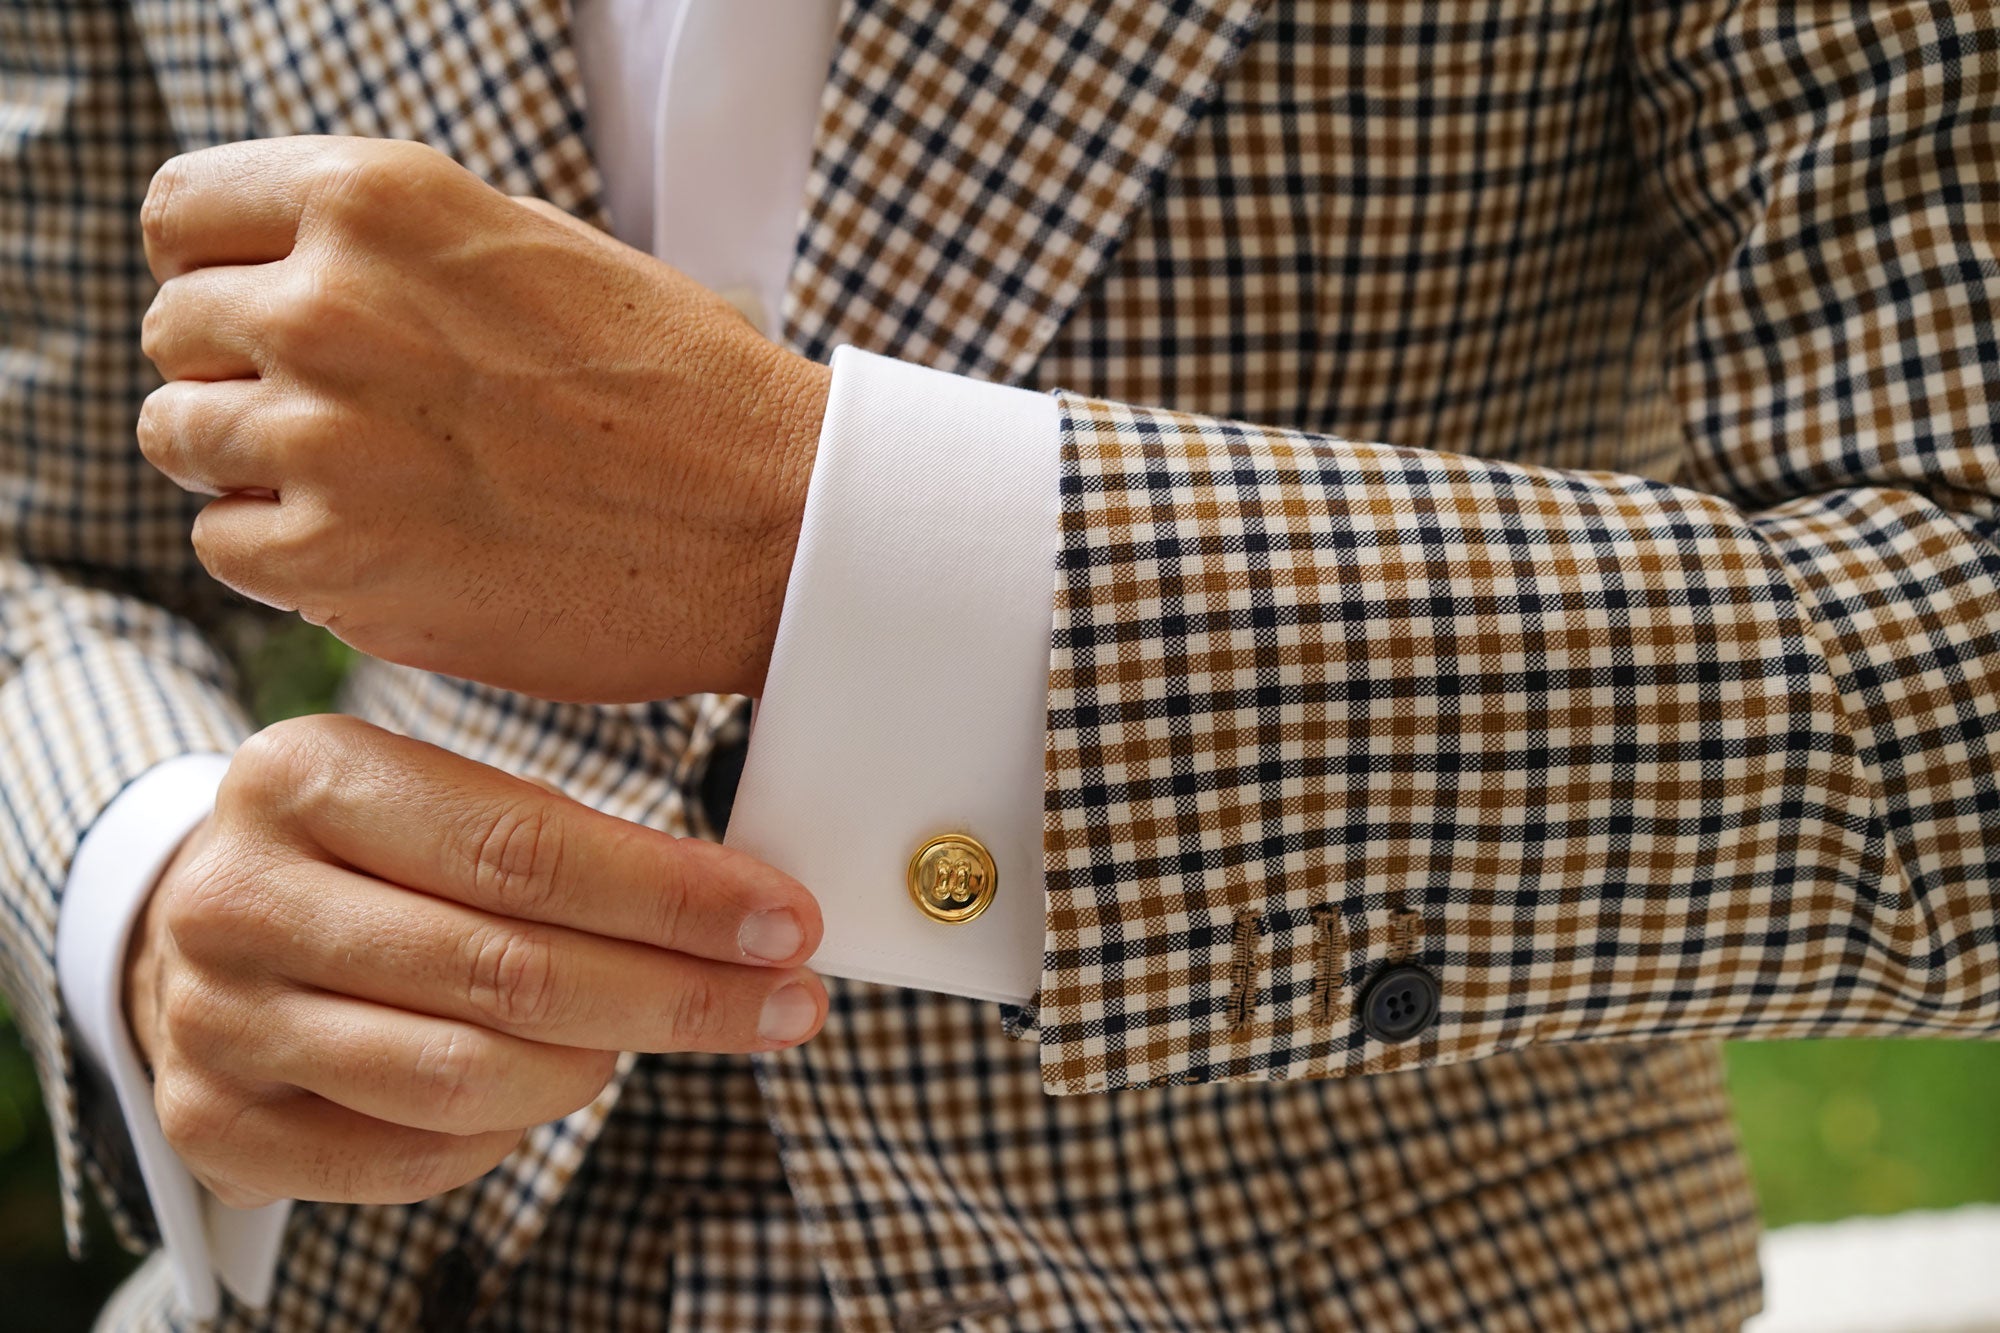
{"points": [[161, 427], [318, 307], [193, 1118], [157, 219], [207, 905], [364, 186], [180, 1015], [404, 159], [669, 907], [300, 432], [282, 755], [312, 551], [697, 1011], [356, 182], [349, 184], [186, 912], [517, 859], [451, 1073], [209, 546], [207, 1023], [153, 327], [512, 979], [294, 765], [187, 1013]]}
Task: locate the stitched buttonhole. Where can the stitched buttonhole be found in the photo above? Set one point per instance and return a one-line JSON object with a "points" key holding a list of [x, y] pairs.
{"points": [[1243, 972], [1327, 969], [1405, 929]]}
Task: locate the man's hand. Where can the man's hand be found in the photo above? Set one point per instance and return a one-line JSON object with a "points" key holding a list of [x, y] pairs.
{"points": [[466, 432], [377, 963]]}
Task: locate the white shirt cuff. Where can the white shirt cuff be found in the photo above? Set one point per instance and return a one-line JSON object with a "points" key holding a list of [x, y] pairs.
{"points": [[114, 872], [908, 690]]}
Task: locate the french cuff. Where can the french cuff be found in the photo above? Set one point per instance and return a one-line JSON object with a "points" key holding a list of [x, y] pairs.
{"points": [[114, 871], [908, 691]]}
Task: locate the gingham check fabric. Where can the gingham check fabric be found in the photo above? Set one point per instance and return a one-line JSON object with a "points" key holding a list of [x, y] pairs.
{"points": [[1627, 761]]}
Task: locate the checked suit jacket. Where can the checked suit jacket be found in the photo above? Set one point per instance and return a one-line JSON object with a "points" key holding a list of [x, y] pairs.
{"points": [[1528, 514]]}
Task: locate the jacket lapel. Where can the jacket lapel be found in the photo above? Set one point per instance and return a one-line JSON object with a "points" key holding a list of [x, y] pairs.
{"points": [[976, 164], [494, 83]]}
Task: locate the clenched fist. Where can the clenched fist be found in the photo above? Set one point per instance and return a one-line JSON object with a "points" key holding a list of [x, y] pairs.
{"points": [[465, 432], [377, 963]]}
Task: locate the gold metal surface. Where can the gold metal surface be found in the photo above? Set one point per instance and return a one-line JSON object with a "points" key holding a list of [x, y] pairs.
{"points": [[952, 878]]}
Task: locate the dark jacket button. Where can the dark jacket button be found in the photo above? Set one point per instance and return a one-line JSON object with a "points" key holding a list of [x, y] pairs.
{"points": [[448, 1292], [1401, 1002]]}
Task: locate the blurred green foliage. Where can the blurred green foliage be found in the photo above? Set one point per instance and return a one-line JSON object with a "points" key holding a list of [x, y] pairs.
{"points": [[290, 669], [1832, 1128], [1839, 1128]]}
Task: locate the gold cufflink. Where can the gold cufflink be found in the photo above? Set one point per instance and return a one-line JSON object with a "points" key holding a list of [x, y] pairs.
{"points": [[952, 878]]}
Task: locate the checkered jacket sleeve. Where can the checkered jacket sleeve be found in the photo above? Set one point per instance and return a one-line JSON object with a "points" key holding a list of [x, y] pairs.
{"points": [[98, 682], [1609, 758]]}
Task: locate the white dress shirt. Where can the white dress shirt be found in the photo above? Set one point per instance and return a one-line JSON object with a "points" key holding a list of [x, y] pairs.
{"points": [[906, 693]]}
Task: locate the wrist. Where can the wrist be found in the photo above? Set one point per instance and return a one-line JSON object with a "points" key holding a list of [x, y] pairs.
{"points": [[790, 408]]}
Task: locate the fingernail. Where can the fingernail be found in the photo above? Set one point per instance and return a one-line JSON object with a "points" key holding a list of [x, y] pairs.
{"points": [[788, 1015], [772, 936]]}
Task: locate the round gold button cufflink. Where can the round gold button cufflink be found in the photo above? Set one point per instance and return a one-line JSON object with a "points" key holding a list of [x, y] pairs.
{"points": [[952, 878]]}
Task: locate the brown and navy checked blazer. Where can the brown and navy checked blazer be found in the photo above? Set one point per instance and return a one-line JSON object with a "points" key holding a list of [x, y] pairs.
{"points": [[1640, 686]]}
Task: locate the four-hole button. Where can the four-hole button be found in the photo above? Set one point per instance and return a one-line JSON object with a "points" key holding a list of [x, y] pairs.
{"points": [[1399, 1003]]}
